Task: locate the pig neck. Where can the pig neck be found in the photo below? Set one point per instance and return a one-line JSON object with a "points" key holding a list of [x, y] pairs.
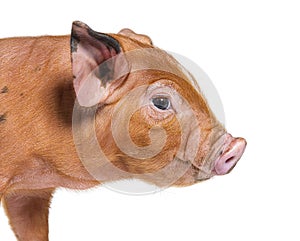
{"points": [[36, 135]]}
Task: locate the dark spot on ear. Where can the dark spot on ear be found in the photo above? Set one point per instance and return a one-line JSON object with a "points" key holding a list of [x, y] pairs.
{"points": [[105, 72], [4, 90], [2, 118], [21, 94], [74, 42], [104, 38]]}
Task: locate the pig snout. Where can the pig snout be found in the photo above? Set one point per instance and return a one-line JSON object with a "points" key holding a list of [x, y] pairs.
{"points": [[233, 150]]}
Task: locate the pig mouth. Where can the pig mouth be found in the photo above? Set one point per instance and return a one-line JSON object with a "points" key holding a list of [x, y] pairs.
{"points": [[202, 174]]}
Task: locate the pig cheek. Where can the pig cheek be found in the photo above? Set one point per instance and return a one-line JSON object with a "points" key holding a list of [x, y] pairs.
{"points": [[109, 147], [140, 125]]}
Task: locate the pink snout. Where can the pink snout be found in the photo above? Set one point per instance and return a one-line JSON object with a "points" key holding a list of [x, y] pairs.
{"points": [[233, 151]]}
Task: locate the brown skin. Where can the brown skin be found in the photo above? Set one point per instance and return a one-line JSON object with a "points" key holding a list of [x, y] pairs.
{"points": [[37, 149]]}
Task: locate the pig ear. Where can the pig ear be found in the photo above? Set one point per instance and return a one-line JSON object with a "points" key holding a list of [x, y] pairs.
{"points": [[139, 37], [97, 61]]}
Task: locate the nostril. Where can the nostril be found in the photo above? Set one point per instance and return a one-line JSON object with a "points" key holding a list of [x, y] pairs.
{"points": [[230, 159]]}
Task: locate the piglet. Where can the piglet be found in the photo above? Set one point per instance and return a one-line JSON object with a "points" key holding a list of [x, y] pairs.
{"points": [[88, 108]]}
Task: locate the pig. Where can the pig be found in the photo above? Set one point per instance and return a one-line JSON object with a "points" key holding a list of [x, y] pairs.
{"points": [[88, 108]]}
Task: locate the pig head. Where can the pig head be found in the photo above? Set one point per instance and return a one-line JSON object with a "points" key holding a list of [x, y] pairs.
{"points": [[144, 90], [115, 108]]}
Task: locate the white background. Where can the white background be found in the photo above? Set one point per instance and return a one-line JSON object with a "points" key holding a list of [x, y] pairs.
{"points": [[251, 51]]}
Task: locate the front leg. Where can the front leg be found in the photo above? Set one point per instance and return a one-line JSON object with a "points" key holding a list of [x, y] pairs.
{"points": [[28, 214]]}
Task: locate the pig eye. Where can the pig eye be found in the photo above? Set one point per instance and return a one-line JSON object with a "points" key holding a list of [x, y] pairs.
{"points": [[161, 103]]}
